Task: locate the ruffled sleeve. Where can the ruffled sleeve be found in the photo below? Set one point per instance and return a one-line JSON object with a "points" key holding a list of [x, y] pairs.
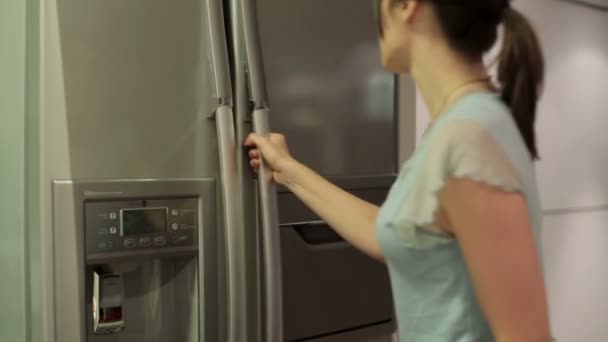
{"points": [[459, 149]]}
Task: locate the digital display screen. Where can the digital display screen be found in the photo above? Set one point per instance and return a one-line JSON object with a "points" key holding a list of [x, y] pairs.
{"points": [[144, 221]]}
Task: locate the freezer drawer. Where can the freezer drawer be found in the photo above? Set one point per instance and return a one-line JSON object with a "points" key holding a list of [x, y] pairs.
{"points": [[376, 333], [329, 287]]}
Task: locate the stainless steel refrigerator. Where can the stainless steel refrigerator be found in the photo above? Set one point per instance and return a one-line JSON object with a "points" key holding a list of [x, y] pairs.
{"points": [[153, 227]]}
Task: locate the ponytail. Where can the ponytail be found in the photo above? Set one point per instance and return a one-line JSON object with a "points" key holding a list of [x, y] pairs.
{"points": [[520, 74], [471, 28]]}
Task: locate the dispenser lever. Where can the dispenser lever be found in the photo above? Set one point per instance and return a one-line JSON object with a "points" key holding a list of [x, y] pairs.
{"points": [[107, 303]]}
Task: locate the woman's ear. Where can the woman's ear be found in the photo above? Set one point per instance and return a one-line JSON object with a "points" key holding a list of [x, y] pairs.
{"points": [[408, 9]]}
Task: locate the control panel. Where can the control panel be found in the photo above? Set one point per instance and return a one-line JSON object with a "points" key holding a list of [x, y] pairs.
{"points": [[125, 225]]}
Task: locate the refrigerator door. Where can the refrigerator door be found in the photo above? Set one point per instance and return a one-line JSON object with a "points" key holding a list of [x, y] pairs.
{"points": [[332, 97], [127, 92], [303, 296]]}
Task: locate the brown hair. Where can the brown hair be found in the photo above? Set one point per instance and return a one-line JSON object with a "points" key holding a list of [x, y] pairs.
{"points": [[471, 27]]}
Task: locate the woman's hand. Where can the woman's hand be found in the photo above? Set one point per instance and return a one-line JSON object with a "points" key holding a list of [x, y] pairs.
{"points": [[273, 148]]}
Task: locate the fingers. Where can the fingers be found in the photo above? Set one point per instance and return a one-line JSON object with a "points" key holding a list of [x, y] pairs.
{"points": [[261, 141], [254, 139], [254, 154]]}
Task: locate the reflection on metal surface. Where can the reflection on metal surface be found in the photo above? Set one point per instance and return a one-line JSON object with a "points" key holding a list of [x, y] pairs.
{"points": [[327, 88]]}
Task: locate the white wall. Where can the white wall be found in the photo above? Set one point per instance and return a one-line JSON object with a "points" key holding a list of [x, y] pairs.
{"points": [[574, 109], [576, 251], [573, 172]]}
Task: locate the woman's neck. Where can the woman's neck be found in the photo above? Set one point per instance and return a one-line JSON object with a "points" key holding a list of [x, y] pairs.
{"points": [[443, 77]]}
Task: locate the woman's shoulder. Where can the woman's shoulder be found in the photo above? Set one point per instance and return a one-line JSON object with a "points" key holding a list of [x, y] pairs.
{"points": [[487, 111], [478, 139], [480, 120]]}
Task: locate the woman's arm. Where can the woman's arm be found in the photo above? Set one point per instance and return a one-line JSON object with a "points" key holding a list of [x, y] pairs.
{"points": [[351, 217], [493, 229]]}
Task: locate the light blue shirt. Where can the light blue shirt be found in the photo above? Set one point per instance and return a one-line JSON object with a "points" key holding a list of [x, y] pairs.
{"points": [[433, 292]]}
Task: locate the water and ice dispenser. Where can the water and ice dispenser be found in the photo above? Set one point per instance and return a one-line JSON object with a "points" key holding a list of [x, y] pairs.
{"points": [[135, 261], [116, 232]]}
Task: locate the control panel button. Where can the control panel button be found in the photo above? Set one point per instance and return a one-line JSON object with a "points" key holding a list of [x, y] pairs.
{"points": [[112, 216], [180, 239], [145, 242], [113, 230], [160, 240], [129, 243], [105, 244], [175, 226], [174, 212]]}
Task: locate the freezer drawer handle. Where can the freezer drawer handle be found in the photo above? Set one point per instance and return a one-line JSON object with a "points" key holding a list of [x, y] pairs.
{"points": [[317, 233]]}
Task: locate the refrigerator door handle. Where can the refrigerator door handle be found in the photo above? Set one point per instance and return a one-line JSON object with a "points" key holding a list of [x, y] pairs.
{"points": [[233, 224], [271, 252], [220, 66], [271, 247], [230, 183], [255, 62]]}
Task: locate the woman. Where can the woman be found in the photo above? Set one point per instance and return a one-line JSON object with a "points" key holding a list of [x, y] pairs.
{"points": [[459, 229]]}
